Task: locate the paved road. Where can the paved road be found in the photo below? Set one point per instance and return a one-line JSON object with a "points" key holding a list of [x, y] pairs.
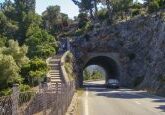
{"points": [[103, 101]]}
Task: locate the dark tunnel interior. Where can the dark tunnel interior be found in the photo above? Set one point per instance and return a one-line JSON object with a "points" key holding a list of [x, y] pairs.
{"points": [[108, 64]]}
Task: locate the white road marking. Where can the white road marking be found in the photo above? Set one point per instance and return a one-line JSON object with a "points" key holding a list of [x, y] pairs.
{"points": [[137, 102], [86, 102]]}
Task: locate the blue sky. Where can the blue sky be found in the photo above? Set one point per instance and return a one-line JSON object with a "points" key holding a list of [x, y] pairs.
{"points": [[67, 6]]}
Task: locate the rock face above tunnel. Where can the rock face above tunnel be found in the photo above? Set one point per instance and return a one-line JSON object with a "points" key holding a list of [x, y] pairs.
{"points": [[141, 45]]}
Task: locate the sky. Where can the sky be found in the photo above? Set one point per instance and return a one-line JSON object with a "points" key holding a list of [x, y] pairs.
{"points": [[67, 6]]}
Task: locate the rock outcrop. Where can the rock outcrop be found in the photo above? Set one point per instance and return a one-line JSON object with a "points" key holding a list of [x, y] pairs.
{"points": [[141, 45]]}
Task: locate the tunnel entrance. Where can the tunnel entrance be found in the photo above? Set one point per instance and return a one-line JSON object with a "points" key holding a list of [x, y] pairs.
{"points": [[107, 64], [94, 74]]}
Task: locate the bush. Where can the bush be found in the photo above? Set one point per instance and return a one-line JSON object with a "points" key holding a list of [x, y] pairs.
{"points": [[34, 71], [153, 6], [69, 65], [2, 41], [69, 57], [83, 19], [102, 14], [162, 3], [95, 75], [161, 78], [24, 88], [137, 6], [79, 32], [135, 12], [88, 26], [162, 14], [6, 92]]}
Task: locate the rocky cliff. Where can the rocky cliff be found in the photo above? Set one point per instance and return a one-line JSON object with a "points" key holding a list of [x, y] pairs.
{"points": [[141, 45]]}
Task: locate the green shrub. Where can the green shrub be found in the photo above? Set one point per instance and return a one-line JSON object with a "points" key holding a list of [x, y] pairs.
{"points": [[136, 6], [69, 57], [83, 19], [69, 65], [25, 97], [135, 12], [79, 32], [34, 71], [153, 6], [161, 78], [162, 14], [102, 14], [24, 88], [92, 75], [162, 3], [6, 92], [88, 26]]}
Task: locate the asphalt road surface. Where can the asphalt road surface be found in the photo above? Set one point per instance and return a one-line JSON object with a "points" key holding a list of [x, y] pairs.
{"points": [[98, 100]]}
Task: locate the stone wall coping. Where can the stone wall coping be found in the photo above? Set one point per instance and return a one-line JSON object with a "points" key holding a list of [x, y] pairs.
{"points": [[62, 63]]}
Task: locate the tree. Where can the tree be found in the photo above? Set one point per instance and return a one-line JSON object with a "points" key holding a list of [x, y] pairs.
{"points": [[108, 3], [32, 18], [64, 20], [22, 9], [95, 6], [121, 6], [9, 71], [96, 75], [136, 8], [12, 57], [154, 5], [162, 3], [87, 6], [25, 5], [40, 42], [103, 14], [34, 71], [21, 25], [18, 53], [2, 41], [8, 27], [92, 75], [82, 20], [8, 8], [86, 74], [52, 19], [117, 7]]}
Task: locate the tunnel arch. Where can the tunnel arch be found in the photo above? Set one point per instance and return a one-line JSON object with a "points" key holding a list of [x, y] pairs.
{"points": [[110, 66]]}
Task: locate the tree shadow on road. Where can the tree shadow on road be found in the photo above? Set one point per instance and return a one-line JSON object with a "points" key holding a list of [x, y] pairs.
{"points": [[101, 90], [161, 107]]}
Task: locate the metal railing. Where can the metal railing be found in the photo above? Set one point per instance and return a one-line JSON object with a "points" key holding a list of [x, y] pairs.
{"points": [[46, 101], [6, 105]]}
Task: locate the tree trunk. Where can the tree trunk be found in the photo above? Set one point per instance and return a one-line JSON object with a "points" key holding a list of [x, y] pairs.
{"points": [[95, 5], [109, 10], [96, 10], [91, 13]]}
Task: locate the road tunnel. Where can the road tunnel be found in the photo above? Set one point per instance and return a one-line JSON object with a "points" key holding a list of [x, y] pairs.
{"points": [[108, 64]]}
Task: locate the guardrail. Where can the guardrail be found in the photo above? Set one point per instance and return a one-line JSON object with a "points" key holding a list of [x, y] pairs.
{"points": [[46, 101]]}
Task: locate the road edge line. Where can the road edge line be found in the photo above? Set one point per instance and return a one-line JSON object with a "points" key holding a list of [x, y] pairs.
{"points": [[86, 102]]}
